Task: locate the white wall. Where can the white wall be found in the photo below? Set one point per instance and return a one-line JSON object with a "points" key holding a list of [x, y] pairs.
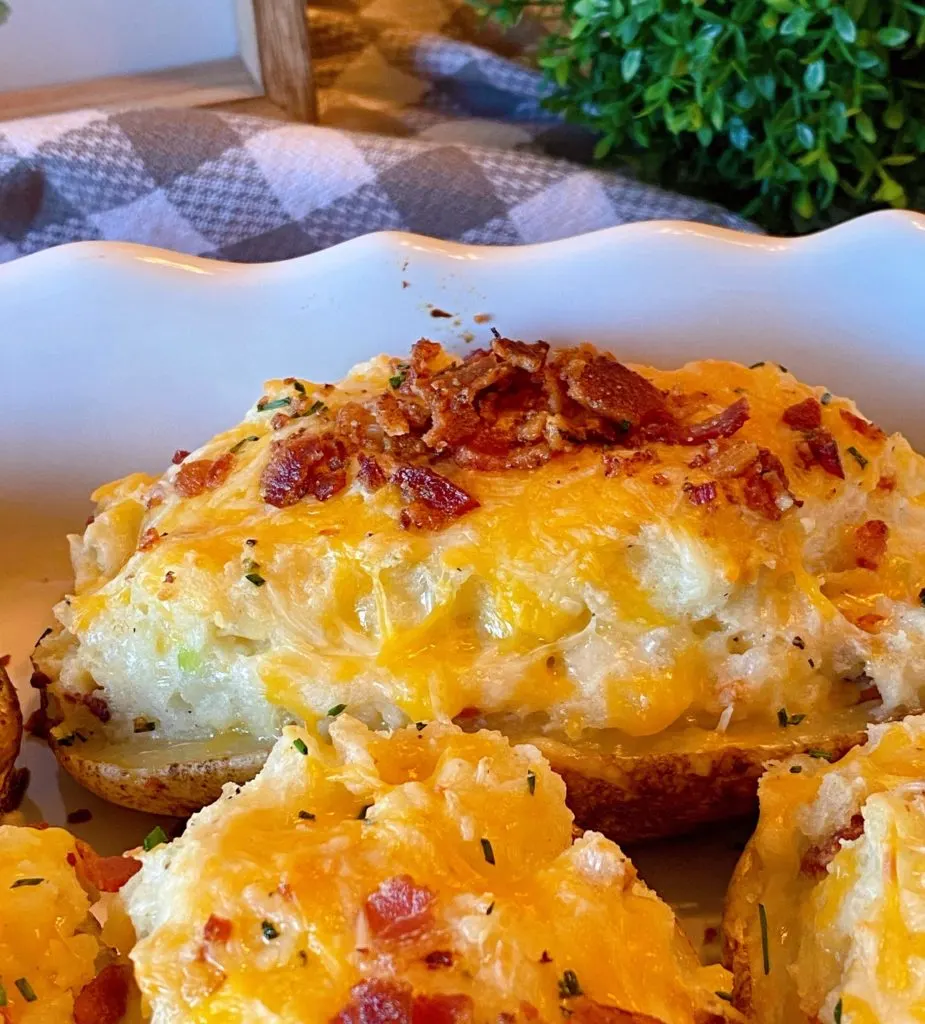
{"points": [[48, 42]]}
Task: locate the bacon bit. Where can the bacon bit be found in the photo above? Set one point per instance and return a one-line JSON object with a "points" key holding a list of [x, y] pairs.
{"points": [[352, 425], [443, 1009], [279, 421], [526, 457], [734, 459], [699, 460], [107, 874], [179, 455], [90, 520], [399, 908], [819, 448], [441, 313], [862, 426], [423, 353], [202, 475], [428, 490], [604, 386], [302, 464], [97, 706], [887, 483], [466, 714], [154, 498], [701, 494], [438, 958], [805, 415], [724, 424], [629, 465], [520, 354], [148, 539], [870, 622], [767, 489], [389, 415], [377, 1001], [870, 543], [105, 999], [370, 473], [217, 929], [817, 858], [661, 479], [482, 318]]}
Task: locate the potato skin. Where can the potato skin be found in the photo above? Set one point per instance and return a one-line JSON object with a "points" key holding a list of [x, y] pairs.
{"points": [[10, 740], [741, 939]]}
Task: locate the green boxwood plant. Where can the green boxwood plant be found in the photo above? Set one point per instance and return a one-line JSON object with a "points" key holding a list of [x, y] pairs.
{"points": [[796, 112]]}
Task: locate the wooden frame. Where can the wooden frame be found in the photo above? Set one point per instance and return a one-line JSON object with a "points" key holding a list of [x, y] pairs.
{"points": [[274, 60]]}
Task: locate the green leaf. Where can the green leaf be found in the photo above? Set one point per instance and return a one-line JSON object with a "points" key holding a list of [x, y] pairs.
{"points": [[632, 61], [844, 25], [899, 160], [803, 205], [891, 192], [893, 37], [814, 76], [828, 170], [865, 127], [805, 135], [717, 112], [739, 135], [866, 60], [745, 98], [705, 136], [795, 25], [603, 147], [766, 86], [894, 116], [629, 30]]}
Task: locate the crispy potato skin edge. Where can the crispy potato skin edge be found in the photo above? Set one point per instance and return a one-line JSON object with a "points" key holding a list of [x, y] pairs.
{"points": [[10, 736], [739, 934]]}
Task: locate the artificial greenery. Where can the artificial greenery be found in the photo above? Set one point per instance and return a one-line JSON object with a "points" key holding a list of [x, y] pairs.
{"points": [[797, 112]]}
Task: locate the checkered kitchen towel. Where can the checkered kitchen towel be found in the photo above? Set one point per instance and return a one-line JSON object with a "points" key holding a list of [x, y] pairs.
{"points": [[429, 123]]}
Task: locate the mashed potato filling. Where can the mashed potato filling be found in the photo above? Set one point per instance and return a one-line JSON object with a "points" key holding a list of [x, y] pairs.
{"points": [[632, 586], [431, 870]]}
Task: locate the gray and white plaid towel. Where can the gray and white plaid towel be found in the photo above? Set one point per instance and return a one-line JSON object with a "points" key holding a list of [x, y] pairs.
{"points": [[428, 124]]}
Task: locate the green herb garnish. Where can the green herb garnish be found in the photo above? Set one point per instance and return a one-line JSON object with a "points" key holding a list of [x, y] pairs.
{"points": [[784, 719], [26, 990], [569, 985], [235, 448], [836, 1016], [421, 726], [531, 782], [3, 997], [297, 385], [755, 366], [306, 816], [487, 851], [318, 406], [26, 881], [763, 922], [491, 907], [255, 578], [336, 710], [299, 744], [269, 930], [823, 755], [859, 458], [795, 769], [156, 837], [143, 725], [68, 741], [397, 381], [277, 403], [725, 996]]}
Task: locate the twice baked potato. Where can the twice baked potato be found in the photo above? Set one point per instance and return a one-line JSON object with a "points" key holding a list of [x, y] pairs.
{"points": [[663, 578], [823, 921], [10, 740], [427, 876], [55, 963]]}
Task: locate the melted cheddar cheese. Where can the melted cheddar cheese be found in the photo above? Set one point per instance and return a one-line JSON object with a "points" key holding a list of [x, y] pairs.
{"points": [[49, 943], [266, 908], [846, 940], [569, 598]]}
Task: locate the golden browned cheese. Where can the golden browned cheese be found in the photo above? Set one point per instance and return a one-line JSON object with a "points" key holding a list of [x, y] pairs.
{"points": [[431, 867], [836, 870], [638, 591]]}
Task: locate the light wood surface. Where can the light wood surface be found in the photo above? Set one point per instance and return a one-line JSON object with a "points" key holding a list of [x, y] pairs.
{"points": [[285, 57]]}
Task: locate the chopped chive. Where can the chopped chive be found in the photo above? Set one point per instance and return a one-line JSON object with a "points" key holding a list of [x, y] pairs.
{"points": [[306, 816], [26, 990], [297, 385], [26, 881], [491, 907], [269, 930], [361, 814], [318, 406], [755, 366], [3, 998], [821, 754], [836, 1016], [487, 851], [255, 578], [763, 922], [397, 380], [336, 710], [531, 782], [277, 403], [782, 368], [569, 985], [299, 744], [156, 837], [784, 719], [795, 769], [421, 726], [826, 398], [859, 458], [143, 725], [725, 996], [235, 448]]}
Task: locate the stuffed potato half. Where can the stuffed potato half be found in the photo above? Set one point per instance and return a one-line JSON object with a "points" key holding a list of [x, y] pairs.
{"points": [[661, 577], [10, 739], [824, 919]]}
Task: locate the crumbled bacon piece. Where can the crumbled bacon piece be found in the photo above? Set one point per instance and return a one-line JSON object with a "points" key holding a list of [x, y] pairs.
{"points": [[870, 543], [303, 464], [438, 958], [148, 539], [377, 1001], [887, 483], [443, 1008], [399, 908], [104, 1000], [523, 457], [179, 455], [202, 475], [628, 465], [870, 622], [700, 460], [97, 706], [723, 424], [701, 494], [766, 487], [861, 426], [217, 929], [107, 874], [817, 858], [279, 421], [604, 386], [370, 473], [423, 354], [521, 354], [805, 415], [661, 479], [389, 415], [428, 490], [733, 459], [819, 448], [353, 425]]}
